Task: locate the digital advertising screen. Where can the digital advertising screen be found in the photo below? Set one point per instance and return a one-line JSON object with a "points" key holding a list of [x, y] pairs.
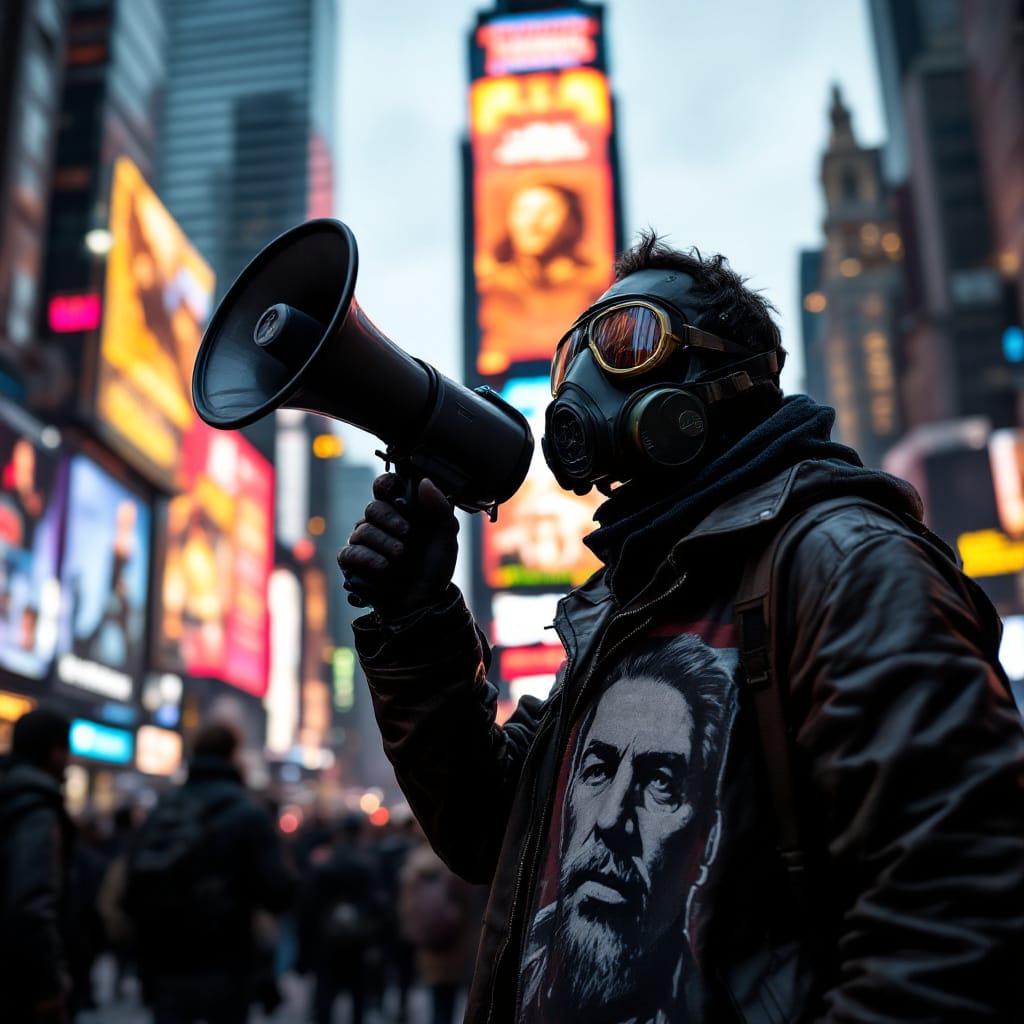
{"points": [[32, 488], [104, 581], [537, 540], [216, 559], [159, 293], [543, 204]]}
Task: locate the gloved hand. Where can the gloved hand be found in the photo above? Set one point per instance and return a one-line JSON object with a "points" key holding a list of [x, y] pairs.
{"points": [[402, 553]]}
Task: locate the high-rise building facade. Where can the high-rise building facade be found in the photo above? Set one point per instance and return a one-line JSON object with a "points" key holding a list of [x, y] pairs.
{"points": [[994, 40], [248, 129], [32, 41], [959, 307], [856, 300]]}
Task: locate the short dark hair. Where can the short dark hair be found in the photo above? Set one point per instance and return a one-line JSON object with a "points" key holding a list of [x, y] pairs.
{"points": [[730, 309], [216, 739], [38, 733]]}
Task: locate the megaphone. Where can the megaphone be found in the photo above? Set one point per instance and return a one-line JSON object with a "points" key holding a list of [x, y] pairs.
{"points": [[290, 334]]}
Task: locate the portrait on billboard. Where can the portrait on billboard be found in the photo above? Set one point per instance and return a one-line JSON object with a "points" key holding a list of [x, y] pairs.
{"points": [[159, 293], [543, 210], [31, 505], [105, 570], [634, 840], [537, 540], [215, 561]]}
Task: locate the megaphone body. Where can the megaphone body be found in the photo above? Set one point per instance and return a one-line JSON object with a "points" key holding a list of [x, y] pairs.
{"points": [[290, 334]]}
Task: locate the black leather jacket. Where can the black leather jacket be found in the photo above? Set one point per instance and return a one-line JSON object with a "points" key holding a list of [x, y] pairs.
{"points": [[909, 756]]}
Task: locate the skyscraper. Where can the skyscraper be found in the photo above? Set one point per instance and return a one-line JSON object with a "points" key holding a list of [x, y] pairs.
{"points": [[32, 39], [247, 135], [957, 306], [852, 354]]}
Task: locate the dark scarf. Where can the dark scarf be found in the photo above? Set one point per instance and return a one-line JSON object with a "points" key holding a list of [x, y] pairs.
{"points": [[642, 519]]}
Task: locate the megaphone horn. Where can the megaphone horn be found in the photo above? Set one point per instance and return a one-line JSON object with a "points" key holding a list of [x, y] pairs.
{"points": [[290, 334]]}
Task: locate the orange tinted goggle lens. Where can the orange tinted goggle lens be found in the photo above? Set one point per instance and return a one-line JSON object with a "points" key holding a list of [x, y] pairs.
{"points": [[627, 338], [623, 339]]}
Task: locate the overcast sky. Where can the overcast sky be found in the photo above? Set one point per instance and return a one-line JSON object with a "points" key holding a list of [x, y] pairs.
{"points": [[722, 120]]}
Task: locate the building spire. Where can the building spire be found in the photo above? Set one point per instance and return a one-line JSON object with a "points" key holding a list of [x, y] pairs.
{"points": [[842, 123]]}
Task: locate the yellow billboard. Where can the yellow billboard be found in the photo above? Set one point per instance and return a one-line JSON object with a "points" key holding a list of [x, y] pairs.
{"points": [[544, 243], [159, 291]]}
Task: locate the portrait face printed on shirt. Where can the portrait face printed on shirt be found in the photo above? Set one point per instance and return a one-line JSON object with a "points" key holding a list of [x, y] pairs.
{"points": [[636, 822]]}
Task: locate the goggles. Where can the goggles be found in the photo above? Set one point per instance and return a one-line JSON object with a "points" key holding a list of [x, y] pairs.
{"points": [[631, 338]]}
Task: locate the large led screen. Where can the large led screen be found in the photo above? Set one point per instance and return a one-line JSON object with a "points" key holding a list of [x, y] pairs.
{"points": [[543, 206], [212, 617], [159, 292], [537, 540], [104, 582], [31, 505]]}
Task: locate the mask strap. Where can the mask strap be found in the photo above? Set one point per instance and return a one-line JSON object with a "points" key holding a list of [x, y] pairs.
{"points": [[763, 366]]}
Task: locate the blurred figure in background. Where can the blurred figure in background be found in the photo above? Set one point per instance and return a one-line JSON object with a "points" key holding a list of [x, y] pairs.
{"points": [[340, 909], [117, 926], [392, 850], [36, 857], [206, 859], [440, 916]]}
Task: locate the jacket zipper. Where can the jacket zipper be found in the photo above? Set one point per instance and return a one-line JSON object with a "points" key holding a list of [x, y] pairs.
{"points": [[566, 724]]}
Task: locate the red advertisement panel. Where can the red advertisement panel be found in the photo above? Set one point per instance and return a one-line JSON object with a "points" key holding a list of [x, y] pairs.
{"points": [[213, 618], [543, 206]]}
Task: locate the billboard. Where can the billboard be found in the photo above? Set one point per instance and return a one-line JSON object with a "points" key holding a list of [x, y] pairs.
{"points": [[544, 222], [216, 558], [104, 582], [537, 540], [32, 484], [159, 292]]}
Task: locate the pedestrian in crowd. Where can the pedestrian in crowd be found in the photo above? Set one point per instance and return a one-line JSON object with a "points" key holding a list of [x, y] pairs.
{"points": [[37, 840], [439, 916], [771, 782], [401, 835], [117, 926], [340, 907], [207, 858]]}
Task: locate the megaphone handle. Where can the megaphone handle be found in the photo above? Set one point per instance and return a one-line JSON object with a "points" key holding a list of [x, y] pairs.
{"points": [[359, 590]]}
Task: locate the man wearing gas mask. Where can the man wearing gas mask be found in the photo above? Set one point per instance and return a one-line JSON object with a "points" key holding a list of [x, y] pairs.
{"points": [[847, 840]]}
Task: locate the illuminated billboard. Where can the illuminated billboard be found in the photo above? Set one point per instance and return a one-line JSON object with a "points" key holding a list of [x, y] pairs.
{"points": [[31, 505], [158, 297], [543, 206], [104, 582], [218, 547], [537, 540]]}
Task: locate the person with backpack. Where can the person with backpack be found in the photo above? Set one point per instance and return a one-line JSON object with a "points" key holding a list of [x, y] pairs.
{"points": [[37, 843], [206, 859], [780, 775], [439, 915]]}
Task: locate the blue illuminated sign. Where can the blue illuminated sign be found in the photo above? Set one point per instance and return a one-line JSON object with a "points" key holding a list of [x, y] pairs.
{"points": [[101, 742], [1013, 345]]}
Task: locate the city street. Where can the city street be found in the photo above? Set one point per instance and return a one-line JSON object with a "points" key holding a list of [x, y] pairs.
{"points": [[294, 1010]]}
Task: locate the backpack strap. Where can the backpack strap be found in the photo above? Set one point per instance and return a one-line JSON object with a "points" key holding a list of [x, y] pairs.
{"points": [[756, 624]]}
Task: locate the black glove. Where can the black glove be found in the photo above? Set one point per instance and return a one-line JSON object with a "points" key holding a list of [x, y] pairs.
{"points": [[401, 555]]}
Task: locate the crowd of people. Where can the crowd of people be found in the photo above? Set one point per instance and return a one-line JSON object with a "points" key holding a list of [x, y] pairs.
{"points": [[203, 904]]}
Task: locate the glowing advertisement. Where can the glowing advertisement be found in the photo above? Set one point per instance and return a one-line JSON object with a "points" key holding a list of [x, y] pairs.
{"points": [[32, 486], [544, 217], [104, 581], [212, 613], [159, 292], [538, 41], [282, 698], [537, 540]]}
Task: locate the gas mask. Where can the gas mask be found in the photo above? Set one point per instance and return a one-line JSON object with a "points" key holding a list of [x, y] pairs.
{"points": [[617, 413]]}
